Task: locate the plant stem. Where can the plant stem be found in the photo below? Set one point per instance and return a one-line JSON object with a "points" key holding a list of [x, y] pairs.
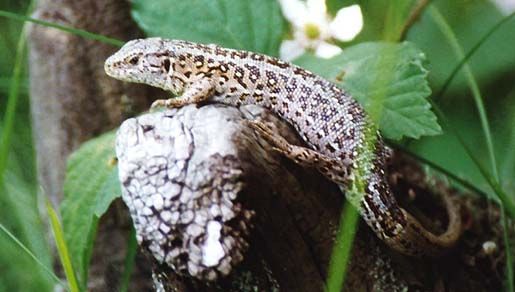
{"points": [[470, 53], [415, 14], [451, 37], [76, 31]]}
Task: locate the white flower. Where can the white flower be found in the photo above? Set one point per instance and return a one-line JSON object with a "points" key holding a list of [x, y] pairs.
{"points": [[506, 6], [313, 28]]}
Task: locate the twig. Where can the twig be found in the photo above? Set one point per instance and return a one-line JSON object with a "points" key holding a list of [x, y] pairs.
{"points": [[414, 16]]}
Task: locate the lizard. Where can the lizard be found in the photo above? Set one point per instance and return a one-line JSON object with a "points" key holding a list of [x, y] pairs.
{"points": [[342, 141]]}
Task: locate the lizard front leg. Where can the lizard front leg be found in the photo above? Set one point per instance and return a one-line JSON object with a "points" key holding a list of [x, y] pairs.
{"points": [[198, 91], [332, 168]]}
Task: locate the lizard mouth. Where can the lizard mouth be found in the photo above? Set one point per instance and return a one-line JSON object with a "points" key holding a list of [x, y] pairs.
{"points": [[110, 67]]}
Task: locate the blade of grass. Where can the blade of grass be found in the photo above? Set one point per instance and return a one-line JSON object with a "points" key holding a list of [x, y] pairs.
{"points": [[27, 251], [509, 155], [471, 52], [438, 168], [342, 249], [505, 202], [502, 199], [62, 248], [357, 188], [72, 30], [413, 17], [396, 14], [501, 196], [14, 84], [453, 41], [130, 259], [5, 84], [12, 102]]}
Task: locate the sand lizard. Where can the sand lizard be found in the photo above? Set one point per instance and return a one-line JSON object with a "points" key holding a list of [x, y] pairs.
{"points": [[344, 144]]}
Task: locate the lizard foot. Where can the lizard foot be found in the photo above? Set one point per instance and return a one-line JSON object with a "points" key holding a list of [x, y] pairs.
{"points": [[168, 103], [331, 167], [278, 143]]}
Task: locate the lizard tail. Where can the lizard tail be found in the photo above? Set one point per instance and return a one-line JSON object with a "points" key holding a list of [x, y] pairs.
{"points": [[394, 225], [415, 240]]}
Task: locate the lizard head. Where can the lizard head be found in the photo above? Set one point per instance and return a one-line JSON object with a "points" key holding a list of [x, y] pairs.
{"points": [[147, 61]]}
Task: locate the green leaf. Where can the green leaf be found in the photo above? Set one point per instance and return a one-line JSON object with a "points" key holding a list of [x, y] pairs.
{"points": [[89, 188], [495, 58], [130, 261], [110, 191], [240, 24], [389, 80], [472, 81], [462, 115]]}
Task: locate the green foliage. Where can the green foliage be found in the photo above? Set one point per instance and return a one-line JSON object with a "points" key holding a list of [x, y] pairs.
{"points": [[383, 20], [130, 258], [469, 19], [397, 13], [403, 110], [342, 249], [19, 213], [463, 118], [29, 253], [474, 88], [18, 188], [9, 36], [446, 149], [240, 24], [491, 176], [90, 185]]}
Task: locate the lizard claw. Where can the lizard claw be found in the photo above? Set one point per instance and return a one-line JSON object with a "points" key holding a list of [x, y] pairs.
{"points": [[277, 142], [167, 103], [158, 104]]}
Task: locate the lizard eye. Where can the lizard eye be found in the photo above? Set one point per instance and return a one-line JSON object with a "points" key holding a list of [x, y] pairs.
{"points": [[134, 60]]}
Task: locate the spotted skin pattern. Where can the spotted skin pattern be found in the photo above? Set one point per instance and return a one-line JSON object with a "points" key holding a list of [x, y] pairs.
{"points": [[343, 143]]}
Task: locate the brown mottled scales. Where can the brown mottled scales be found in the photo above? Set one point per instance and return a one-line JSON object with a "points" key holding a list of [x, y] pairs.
{"points": [[344, 144]]}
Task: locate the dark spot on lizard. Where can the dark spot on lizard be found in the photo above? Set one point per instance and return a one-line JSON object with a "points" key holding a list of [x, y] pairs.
{"points": [[330, 148], [147, 128], [166, 65]]}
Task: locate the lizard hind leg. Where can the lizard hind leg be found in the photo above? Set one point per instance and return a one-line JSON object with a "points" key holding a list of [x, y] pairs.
{"points": [[399, 229], [196, 92], [332, 168]]}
